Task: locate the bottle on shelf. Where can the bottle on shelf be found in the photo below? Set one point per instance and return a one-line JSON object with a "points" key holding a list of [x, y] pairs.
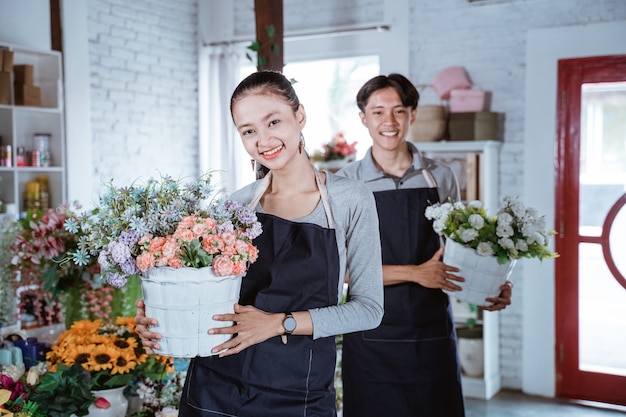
{"points": [[32, 197], [44, 194]]}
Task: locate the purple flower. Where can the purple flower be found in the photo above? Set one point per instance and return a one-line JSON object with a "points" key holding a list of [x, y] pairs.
{"points": [[116, 280]]}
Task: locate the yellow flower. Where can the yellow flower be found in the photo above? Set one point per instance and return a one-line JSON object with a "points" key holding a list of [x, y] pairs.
{"points": [[103, 357], [124, 363]]}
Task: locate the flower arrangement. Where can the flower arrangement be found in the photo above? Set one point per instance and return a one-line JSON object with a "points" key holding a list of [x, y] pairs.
{"points": [[112, 354], [514, 232], [160, 398], [50, 287], [165, 223], [91, 355], [337, 149], [39, 245]]}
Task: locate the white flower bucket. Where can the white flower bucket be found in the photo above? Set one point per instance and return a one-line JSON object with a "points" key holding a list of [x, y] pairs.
{"points": [[183, 301], [483, 274]]}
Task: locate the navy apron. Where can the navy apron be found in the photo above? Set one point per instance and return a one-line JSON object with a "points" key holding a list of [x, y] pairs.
{"points": [[408, 366], [297, 269]]}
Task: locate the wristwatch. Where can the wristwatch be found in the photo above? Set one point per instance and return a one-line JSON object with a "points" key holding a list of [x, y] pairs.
{"points": [[289, 324]]}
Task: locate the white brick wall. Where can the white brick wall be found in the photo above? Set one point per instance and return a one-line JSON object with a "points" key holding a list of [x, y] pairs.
{"points": [[144, 88]]}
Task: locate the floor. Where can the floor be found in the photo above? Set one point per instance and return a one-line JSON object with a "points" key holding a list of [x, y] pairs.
{"points": [[515, 404]]}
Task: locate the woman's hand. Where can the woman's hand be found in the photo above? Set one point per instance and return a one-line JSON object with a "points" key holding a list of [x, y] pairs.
{"points": [[251, 326], [501, 301], [435, 274], [142, 325]]}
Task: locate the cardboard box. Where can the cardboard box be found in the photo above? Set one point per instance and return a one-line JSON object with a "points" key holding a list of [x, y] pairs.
{"points": [[5, 88], [24, 74], [474, 126], [7, 61], [27, 95]]}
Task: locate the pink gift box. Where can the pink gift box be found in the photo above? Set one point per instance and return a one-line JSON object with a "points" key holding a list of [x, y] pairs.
{"points": [[462, 101], [451, 78]]}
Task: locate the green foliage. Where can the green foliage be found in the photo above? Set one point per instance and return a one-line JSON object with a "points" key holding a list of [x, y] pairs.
{"points": [[256, 47], [192, 254], [64, 392]]}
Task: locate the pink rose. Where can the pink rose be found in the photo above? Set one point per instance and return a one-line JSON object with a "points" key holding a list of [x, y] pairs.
{"points": [[239, 267], [186, 222], [210, 223], [186, 235], [223, 266], [229, 238], [156, 244], [174, 262], [145, 261], [213, 244]]}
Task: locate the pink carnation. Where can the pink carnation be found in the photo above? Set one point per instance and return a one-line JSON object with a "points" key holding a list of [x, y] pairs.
{"points": [[213, 244], [145, 261], [223, 266], [187, 222]]}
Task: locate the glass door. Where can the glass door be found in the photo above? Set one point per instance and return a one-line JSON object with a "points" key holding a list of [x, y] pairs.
{"points": [[591, 213]]}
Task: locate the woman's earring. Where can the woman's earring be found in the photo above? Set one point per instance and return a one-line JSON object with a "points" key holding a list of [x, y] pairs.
{"points": [[301, 145]]}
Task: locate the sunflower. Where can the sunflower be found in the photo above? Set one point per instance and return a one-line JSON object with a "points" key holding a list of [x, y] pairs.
{"points": [[124, 363], [103, 357], [111, 353]]}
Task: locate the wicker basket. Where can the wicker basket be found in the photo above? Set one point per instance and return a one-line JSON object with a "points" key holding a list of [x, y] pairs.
{"points": [[429, 125]]}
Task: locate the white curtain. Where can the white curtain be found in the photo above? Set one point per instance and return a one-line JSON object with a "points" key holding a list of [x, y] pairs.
{"points": [[220, 146]]}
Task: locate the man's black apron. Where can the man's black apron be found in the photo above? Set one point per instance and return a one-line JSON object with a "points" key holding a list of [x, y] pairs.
{"points": [[408, 366], [297, 269]]}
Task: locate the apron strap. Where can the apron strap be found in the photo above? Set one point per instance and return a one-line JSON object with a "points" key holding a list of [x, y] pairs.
{"points": [[266, 181], [430, 180]]}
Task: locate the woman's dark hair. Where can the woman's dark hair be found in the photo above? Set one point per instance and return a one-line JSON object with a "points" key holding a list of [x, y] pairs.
{"points": [[403, 86], [266, 82]]}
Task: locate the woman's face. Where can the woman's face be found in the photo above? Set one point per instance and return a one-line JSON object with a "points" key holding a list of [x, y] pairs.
{"points": [[270, 130], [387, 119]]}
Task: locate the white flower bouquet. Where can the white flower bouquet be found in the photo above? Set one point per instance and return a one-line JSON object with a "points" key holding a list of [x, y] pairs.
{"points": [[514, 232]]}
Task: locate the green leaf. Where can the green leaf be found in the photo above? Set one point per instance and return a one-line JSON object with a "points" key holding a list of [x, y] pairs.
{"points": [[270, 30]]}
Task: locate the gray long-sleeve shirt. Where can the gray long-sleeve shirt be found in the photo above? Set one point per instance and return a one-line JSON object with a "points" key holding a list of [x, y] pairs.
{"points": [[358, 241]]}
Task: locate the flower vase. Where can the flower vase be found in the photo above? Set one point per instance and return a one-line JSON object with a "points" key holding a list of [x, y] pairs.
{"points": [[184, 301], [118, 403], [471, 351], [483, 274]]}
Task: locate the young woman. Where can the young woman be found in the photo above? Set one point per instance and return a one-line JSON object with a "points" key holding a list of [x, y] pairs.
{"points": [[316, 226], [408, 366]]}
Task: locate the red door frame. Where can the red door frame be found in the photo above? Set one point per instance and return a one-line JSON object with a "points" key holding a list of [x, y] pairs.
{"points": [[571, 382]]}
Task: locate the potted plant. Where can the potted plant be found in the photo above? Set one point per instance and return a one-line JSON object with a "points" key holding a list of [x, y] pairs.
{"points": [[485, 247], [470, 344], [335, 154]]}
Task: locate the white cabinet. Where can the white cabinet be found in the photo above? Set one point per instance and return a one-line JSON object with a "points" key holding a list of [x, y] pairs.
{"points": [[489, 152], [19, 124]]}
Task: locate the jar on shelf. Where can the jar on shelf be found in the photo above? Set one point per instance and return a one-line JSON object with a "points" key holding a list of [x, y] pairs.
{"points": [[32, 196], [20, 157], [6, 155], [41, 150], [44, 193]]}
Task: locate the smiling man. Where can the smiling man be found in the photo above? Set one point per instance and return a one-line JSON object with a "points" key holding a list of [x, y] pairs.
{"points": [[408, 366]]}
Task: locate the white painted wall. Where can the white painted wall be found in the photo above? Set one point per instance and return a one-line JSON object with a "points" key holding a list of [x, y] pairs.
{"points": [[25, 23], [545, 48]]}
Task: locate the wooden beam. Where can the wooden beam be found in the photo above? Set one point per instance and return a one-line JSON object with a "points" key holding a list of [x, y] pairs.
{"points": [[269, 34], [56, 30]]}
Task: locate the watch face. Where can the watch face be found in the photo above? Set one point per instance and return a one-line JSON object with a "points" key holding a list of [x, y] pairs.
{"points": [[289, 324]]}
